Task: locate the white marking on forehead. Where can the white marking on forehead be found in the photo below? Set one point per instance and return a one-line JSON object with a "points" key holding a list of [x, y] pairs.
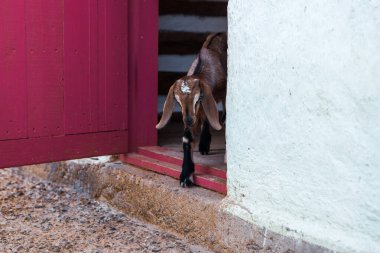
{"points": [[185, 88]]}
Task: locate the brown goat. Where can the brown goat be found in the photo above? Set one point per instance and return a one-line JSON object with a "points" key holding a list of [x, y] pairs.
{"points": [[198, 93]]}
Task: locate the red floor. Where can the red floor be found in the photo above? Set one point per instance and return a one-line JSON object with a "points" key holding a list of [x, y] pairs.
{"points": [[166, 158]]}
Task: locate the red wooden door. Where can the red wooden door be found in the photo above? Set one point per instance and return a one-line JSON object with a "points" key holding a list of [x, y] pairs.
{"points": [[65, 82]]}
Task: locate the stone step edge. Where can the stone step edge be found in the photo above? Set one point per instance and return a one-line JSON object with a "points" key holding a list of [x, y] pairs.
{"points": [[197, 214]]}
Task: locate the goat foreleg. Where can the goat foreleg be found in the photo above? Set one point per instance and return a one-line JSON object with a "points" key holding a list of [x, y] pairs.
{"points": [[205, 139], [186, 177]]}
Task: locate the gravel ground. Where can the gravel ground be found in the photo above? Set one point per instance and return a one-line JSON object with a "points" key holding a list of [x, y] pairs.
{"points": [[38, 216]]}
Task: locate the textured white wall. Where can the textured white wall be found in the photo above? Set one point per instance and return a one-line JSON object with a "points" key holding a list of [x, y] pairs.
{"points": [[303, 133]]}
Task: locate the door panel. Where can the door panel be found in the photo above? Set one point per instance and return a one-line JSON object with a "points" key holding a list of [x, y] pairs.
{"points": [[81, 66], [44, 67], [96, 65], [13, 95], [63, 80], [50, 149], [113, 64]]}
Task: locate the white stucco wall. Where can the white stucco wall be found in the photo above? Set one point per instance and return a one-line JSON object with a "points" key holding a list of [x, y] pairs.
{"points": [[303, 126]]}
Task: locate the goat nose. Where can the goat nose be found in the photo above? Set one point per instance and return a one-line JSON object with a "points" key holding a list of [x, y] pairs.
{"points": [[189, 121]]}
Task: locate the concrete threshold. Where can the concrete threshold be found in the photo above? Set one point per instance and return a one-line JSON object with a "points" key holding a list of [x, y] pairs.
{"points": [[194, 213]]}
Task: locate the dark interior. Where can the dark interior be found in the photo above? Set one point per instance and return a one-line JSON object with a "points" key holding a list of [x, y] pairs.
{"points": [[182, 43]]}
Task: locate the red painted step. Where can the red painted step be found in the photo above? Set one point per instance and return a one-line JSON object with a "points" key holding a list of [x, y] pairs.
{"points": [[211, 164], [206, 181]]}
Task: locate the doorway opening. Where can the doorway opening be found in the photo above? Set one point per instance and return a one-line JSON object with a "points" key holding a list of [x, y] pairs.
{"points": [[183, 27]]}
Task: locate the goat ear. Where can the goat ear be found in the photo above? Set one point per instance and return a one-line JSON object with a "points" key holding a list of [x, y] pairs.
{"points": [[209, 107], [168, 108]]}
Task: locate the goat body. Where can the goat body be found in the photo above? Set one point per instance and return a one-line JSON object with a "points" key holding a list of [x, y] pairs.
{"points": [[204, 85], [198, 93]]}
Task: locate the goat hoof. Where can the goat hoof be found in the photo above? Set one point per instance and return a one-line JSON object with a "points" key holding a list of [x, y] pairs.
{"points": [[204, 149], [203, 152], [187, 182]]}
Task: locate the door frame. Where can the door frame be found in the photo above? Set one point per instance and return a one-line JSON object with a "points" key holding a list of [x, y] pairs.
{"points": [[143, 69]]}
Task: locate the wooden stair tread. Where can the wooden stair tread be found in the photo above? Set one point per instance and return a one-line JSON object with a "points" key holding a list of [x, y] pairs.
{"points": [[211, 164], [206, 181]]}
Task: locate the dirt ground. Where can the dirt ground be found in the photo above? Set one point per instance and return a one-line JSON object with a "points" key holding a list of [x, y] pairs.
{"points": [[38, 216]]}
